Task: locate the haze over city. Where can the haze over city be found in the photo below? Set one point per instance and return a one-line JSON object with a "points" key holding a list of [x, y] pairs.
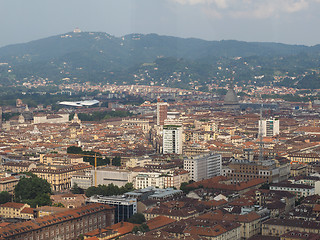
{"points": [[285, 21], [159, 119]]}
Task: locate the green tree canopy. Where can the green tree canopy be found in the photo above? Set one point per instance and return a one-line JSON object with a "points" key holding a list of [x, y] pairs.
{"points": [[101, 161], [109, 190], [33, 190], [137, 218], [142, 228], [116, 161], [5, 197], [74, 150], [76, 189]]}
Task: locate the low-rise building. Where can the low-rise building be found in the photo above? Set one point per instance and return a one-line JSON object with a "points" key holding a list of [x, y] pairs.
{"points": [[299, 190], [108, 175], [15, 210], [124, 207], [8, 184], [250, 222], [277, 227], [69, 200], [244, 170], [18, 166], [65, 225], [59, 176], [83, 179]]}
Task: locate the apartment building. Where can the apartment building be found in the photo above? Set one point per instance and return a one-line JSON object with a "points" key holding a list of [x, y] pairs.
{"points": [[203, 166], [64, 225]]}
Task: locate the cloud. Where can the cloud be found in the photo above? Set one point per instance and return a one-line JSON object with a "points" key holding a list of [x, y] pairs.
{"points": [[249, 8]]}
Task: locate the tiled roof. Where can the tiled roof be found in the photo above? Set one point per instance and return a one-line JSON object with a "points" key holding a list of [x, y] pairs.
{"points": [[37, 223], [217, 183], [221, 216], [27, 210], [293, 223], [159, 221], [12, 205]]}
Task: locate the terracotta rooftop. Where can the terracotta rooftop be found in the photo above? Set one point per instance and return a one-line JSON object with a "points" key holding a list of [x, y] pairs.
{"points": [[37, 223], [12, 205], [217, 183], [159, 222]]}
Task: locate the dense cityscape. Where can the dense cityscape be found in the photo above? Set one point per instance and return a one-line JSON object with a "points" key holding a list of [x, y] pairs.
{"points": [[153, 162]]}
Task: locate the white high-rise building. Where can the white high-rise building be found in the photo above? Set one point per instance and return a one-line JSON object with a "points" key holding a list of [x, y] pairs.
{"points": [[203, 166], [269, 127], [172, 138]]}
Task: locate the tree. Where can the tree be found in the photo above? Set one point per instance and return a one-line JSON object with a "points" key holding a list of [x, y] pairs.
{"points": [[184, 187], [142, 228], [76, 189], [109, 190], [5, 197], [116, 161], [74, 150], [33, 190], [58, 205], [137, 218]]}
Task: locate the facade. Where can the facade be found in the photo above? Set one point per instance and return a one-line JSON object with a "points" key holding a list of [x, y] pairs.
{"points": [[14, 210], [58, 118], [60, 159], [176, 178], [250, 222], [299, 190], [8, 184], [124, 207], [162, 110], [269, 127], [107, 175], [144, 124], [69, 200], [59, 176], [244, 170], [277, 227], [18, 166], [84, 179], [150, 179], [65, 225], [172, 139], [203, 166]]}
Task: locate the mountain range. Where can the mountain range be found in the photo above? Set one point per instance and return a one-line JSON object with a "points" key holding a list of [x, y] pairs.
{"points": [[153, 59]]}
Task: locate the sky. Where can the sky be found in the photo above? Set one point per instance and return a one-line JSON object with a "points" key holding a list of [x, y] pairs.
{"points": [[284, 21]]}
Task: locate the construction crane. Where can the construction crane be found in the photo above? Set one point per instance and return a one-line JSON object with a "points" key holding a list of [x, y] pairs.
{"points": [[95, 165]]}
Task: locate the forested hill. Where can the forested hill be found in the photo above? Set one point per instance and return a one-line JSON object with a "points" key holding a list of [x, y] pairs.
{"points": [[145, 47], [101, 57]]}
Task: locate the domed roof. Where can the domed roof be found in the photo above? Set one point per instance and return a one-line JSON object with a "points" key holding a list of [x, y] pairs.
{"points": [[231, 97]]}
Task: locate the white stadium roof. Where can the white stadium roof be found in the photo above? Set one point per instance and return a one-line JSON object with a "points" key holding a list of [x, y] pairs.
{"points": [[79, 103]]}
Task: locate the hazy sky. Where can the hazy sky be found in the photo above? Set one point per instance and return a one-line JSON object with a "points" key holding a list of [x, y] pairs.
{"points": [[286, 21]]}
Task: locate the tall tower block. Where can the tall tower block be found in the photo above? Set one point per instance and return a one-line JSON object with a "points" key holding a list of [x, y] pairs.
{"points": [[162, 109]]}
